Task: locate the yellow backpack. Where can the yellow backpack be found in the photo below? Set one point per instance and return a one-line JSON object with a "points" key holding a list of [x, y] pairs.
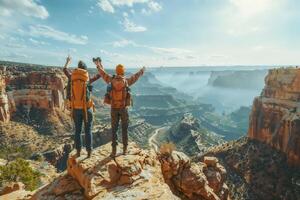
{"points": [[80, 97]]}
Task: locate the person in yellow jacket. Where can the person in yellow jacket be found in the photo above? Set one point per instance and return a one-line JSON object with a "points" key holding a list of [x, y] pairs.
{"points": [[120, 100], [81, 103]]}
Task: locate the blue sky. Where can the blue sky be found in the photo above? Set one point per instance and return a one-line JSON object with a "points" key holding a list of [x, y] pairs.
{"points": [[151, 32]]}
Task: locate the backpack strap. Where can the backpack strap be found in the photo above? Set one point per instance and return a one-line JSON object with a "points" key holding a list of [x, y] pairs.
{"points": [[84, 103]]}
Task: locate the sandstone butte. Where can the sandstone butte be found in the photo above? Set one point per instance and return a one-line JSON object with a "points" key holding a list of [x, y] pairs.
{"points": [[38, 89], [275, 116], [142, 174]]}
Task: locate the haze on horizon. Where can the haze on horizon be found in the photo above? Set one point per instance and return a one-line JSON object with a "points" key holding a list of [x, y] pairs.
{"points": [[151, 32]]}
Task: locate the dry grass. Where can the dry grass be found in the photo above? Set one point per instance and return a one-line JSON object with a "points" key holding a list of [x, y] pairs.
{"points": [[167, 148]]}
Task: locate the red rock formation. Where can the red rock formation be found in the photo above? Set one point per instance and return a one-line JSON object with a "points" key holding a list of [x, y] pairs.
{"points": [[203, 180], [4, 108], [37, 89], [275, 117], [42, 89]]}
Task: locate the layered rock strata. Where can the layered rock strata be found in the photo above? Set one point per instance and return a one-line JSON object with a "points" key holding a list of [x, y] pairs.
{"points": [[275, 117]]}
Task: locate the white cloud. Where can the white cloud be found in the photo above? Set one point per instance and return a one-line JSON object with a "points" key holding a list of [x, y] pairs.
{"points": [[251, 8], [17, 55], [36, 42], [24, 7], [243, 17], [171, 51], [178, 52], [130, 26], [154, 6], [109, 5], [106, 6], [128, 3], [15, 45], [110, 54], [49, 32], [123, 43]]}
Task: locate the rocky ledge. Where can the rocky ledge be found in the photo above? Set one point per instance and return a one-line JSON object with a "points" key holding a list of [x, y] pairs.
{"points": [[141, 174]]}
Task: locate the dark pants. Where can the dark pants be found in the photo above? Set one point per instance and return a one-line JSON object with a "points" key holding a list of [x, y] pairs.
{"points": [[78, 117], [116, 115]]}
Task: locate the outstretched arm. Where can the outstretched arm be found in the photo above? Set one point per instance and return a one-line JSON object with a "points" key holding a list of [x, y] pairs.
{"points": [[135, 77], [105, 76], [94, 78], [66, 71]]}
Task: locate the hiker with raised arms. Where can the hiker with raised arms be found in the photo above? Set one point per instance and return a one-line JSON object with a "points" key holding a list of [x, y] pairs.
{"points": [[119, 97], [80, 103]]}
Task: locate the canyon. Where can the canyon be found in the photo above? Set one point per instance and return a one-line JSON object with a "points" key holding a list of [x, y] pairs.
{"points": [[180, 149]]}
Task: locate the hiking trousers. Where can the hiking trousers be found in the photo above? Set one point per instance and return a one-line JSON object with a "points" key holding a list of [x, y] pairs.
{"points": [[78, 117], [116, 115]]}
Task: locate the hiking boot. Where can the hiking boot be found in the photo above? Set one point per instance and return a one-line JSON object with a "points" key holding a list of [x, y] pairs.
{"points": [[78, 153], [124, 149], [114, 152], [89, 153]]}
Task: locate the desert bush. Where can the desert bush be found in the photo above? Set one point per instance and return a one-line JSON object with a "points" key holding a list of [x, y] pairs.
{"points": [[12, 152], [167, 148], [20, 170]]}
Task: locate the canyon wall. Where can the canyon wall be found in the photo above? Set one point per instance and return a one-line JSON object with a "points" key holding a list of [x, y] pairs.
{"points": [[31, 88], [4, 108], [275, 117]]}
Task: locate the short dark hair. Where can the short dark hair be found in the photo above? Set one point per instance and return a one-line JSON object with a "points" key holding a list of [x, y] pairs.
{"points": [[82, 65]]}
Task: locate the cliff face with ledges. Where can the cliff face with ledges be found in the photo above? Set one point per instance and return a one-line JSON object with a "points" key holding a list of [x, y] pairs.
{"points": [[40, 90], [275, 117], [4, 108], [32, 88]]}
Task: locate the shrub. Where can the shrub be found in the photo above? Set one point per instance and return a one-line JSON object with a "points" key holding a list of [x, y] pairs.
{"points": [[12, 152], [20, 170], [167, 148]]}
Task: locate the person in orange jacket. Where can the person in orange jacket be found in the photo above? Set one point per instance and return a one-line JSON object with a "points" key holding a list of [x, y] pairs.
{"points": [[120, 99]]}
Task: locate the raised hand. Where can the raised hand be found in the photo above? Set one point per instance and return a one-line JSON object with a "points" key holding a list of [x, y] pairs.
{"points": [[68, 61], [98, 64], [143, 69]]}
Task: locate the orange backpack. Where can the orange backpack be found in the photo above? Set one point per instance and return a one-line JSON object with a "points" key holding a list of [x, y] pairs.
{"points": [[119, 95], [80, 95]]}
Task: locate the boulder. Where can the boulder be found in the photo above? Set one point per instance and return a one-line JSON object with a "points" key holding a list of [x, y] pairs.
{"points": [[210, 161], [63, 187], [194, 180], [11, 187]]}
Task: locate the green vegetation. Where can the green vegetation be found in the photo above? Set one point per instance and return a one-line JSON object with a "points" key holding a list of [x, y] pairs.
{"points": [[12, 152], [20, 170]]}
